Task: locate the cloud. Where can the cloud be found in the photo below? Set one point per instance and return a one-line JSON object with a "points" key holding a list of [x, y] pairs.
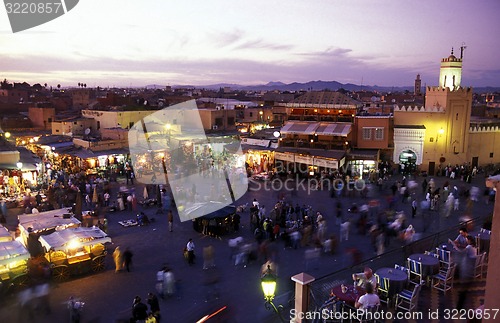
{"points": [[329, 52], [224, 39], [261, 44]]}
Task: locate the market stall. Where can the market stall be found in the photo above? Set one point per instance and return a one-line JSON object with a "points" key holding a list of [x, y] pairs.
{"points": [[216, 222], [44, 223], [75, 251], [13, 264]]}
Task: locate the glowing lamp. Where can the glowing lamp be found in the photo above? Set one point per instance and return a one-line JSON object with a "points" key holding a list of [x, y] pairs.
{"points": [[268, 283], [73, 244]]}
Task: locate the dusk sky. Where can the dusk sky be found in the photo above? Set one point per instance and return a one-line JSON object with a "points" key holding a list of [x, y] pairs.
{"points": [[199, 42]]}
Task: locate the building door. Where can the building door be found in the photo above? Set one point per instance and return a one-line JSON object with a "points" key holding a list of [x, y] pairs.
{"points": [[475, 161], [432, 166]]}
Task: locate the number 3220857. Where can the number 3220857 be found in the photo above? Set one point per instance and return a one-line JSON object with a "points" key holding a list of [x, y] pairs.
{"points": [[32, 7], [464, 314]]}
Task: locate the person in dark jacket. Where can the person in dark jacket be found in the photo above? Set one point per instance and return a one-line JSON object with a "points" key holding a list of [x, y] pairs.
{"points": [[139, 310], [154, 306], [127, 258]]}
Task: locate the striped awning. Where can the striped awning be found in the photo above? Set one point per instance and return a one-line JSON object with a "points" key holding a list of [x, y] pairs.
{"points": [[299, 128], [333, 129]]}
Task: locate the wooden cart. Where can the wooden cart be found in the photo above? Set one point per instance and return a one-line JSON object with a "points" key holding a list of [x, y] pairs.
{"points": [[75, 251], [13, 265]]}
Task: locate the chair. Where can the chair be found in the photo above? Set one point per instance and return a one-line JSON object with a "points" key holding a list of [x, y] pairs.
{"points": [[478, 244], [479, 264], [383, 288], [368, 314], [403, 268], [444, 257], [483, 230], [430, 253], [415, 273], [443, 281], [408, 299]]}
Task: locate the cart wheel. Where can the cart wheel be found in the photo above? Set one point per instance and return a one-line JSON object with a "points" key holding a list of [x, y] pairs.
{"points": [[97, 264], [20, 282], [60, 273]]}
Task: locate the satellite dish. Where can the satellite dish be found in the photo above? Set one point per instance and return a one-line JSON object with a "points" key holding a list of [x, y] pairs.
{"points": [[87, 131]]}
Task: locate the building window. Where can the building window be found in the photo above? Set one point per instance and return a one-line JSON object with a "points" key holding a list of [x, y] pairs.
{"points": [[491, 155], [379, 133], [251, 114], [230, 121], [218, 122], [367, 133]]}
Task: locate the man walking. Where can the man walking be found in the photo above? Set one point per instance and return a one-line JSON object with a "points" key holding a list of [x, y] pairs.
{"points": [[413, 208], [190, 250], [127, 258]]}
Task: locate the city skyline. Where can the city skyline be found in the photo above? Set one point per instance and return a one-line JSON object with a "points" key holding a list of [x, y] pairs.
{"points": [[198, 43]]}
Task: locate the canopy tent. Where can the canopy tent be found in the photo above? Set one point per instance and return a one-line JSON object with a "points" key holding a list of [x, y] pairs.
{"points": [[44, 222], [213, 218], [12, 250], [74, 237]]}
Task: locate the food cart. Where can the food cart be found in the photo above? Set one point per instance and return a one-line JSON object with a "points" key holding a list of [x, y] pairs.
{"points": [[13, 265], [44, 223], [75, 251]]}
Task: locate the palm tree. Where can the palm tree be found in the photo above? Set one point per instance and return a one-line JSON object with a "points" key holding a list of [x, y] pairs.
{"points": [[58, 86], [45, 85], [85, 85], [79, 84]]}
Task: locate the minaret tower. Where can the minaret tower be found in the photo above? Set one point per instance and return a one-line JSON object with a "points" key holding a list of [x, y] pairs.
{"points": [[450, 74], [418, 86]]}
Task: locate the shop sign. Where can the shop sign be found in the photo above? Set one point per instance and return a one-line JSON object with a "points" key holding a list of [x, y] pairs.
{"points": [[327, 163], [304, 159], [284, 156], [256, 142]]}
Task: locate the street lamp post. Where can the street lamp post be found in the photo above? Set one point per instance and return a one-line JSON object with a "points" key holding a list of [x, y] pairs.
{"points": [[268, 282]]}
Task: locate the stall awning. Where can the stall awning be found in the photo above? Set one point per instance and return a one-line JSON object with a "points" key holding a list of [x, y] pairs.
{"points": [[81, 236], [333, 129], [48, 220], [299, 128], [12, 251]]}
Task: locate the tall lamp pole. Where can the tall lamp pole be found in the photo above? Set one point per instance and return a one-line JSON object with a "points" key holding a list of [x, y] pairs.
{"points": [[268, 282]]}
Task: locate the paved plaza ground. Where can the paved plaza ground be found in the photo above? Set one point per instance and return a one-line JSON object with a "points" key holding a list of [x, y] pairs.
{"points": [[108, 295]]}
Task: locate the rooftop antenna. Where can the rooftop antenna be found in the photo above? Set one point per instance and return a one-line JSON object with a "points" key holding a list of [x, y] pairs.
{"points": [[462, 49]]}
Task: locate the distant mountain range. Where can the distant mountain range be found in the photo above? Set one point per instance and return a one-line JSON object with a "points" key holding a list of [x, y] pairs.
{"points": [[313, 86]]}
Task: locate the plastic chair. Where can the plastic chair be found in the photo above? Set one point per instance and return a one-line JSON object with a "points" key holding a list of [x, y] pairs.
{"points": [[383, 289], [483, 230], [478, 266], [403, 268], [430, 253], [407, 299], [444, 257], [415, 274], [368, 314], [443, 281]]}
